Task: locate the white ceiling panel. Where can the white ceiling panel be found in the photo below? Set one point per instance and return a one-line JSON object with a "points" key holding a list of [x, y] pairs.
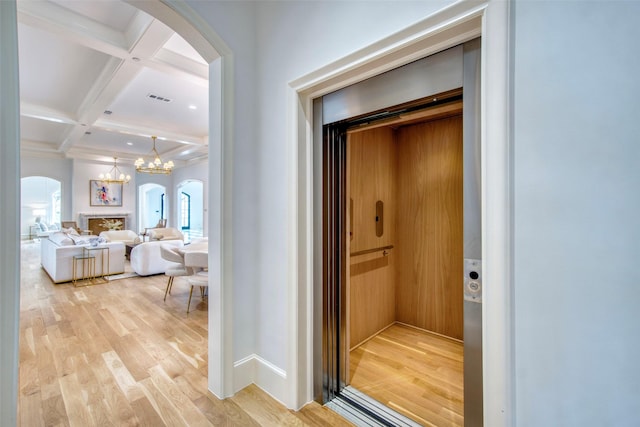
{"points": [[42, 131], [178, 45], [54, 72], [79, 59], [133, 105], [114, 14]]}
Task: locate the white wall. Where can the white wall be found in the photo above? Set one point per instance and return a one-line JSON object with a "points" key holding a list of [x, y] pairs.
{"points": [[296, 38], [83, 172], [577, 225]]}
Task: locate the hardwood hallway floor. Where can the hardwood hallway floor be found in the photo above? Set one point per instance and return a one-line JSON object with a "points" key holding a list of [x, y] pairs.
{"points": [[116, 354]]}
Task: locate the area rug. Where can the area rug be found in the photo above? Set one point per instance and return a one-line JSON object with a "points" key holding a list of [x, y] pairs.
{"points": [[128, 272]]}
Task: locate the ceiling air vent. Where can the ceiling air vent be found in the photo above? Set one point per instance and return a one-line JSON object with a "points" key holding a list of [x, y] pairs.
{"points": [[158, 97]]}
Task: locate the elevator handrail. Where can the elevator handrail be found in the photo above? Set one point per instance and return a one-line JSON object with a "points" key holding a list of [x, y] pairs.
{"points": [[370, 251]]}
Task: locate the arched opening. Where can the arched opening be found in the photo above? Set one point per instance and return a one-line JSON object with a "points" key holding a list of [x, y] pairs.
{"points": [[190, 208], [192, 28], [40, 206], [182, 19], [152, 205]]}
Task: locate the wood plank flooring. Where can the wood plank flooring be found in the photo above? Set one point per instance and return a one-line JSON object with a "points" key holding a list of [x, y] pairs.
{"points": [[418, 374], [116, 354]]}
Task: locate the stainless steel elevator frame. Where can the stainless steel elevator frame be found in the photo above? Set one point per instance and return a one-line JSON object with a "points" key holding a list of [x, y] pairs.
{"points": [[452, 69]]}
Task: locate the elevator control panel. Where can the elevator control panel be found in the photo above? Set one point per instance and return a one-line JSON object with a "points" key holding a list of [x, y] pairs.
{"points": [[473, 280]]}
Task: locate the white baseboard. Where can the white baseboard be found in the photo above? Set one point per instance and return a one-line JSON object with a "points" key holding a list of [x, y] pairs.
{"points": [[255, 370]]}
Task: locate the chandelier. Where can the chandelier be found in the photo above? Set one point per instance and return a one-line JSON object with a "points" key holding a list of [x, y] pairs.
{"points": [[155, 166], [115, 175]]}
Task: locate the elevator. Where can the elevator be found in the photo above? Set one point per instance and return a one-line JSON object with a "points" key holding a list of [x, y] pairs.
{"points": [[397, 176]]}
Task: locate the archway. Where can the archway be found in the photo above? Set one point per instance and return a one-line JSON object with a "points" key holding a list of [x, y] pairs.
{"points": [[195, 31], [190, 208], [183, 20], [40, 206], [152, 205]]}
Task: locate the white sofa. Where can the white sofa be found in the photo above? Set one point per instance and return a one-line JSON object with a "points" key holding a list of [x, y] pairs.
{"points": [[146, 259], [168, 233], [124, 236], [57, 252], [44, 230]]}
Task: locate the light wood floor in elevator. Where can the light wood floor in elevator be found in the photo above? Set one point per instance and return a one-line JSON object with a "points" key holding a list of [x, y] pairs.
{"points": [[414, 372]]}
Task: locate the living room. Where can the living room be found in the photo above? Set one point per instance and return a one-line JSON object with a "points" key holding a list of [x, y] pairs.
{"points": [[105, 90]]}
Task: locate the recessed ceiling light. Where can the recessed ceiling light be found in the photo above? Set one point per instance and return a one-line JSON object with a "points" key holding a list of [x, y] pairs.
{"points": [[129, 143], [193, 107]]}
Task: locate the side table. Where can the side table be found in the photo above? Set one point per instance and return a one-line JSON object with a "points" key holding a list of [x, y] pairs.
{"points": [[89, 250], [90, 262], [128, 247]]}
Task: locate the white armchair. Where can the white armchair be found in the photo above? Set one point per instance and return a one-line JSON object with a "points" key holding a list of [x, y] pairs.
{"points": [[146, 258]]}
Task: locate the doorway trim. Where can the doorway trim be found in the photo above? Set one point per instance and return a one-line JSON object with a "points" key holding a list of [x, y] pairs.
{"points": [[448, 27]]}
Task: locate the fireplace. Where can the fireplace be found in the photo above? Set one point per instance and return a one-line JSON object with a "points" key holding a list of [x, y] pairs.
{"points": [[96, 224], [95, 221]]}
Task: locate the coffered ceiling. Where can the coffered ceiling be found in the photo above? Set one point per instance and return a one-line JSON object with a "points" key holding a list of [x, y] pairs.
{"points": [[99, 77]]}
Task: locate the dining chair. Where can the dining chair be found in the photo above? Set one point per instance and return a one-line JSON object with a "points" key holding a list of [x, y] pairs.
{"points": [[199, 261], [170, 253]]}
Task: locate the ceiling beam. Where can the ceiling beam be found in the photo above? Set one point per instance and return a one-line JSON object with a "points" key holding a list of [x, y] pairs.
{"points": [[82, 31], [41, 112], [140, 45], [73, 27], [145, 132], [114, 78]]}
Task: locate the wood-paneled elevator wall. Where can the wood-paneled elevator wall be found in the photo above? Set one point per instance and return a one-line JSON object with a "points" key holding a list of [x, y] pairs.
{"points": [[416, 171]]}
